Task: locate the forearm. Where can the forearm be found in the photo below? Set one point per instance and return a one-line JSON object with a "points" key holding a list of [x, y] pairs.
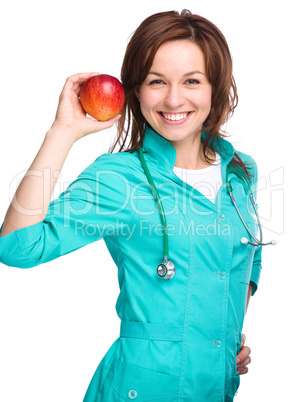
{"points": [[248, 295], [31, 200]]}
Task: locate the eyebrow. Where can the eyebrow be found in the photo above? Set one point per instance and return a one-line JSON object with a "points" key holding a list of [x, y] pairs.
{"points": [[185, 75]]}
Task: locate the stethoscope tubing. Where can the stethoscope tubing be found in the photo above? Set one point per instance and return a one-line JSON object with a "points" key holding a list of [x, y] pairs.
{"points": [[158, 202], [257, 242], [229, 169]]}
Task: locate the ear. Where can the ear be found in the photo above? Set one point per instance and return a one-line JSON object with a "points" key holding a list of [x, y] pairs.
{"points": [[137, 93]]}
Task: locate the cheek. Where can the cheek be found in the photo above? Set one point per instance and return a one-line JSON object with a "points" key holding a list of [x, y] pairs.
{"points": [[148, 100], [204, 100]]}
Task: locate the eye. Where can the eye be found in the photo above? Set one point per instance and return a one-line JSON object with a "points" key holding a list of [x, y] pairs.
{"points": [[192, 81], [156, 82]]}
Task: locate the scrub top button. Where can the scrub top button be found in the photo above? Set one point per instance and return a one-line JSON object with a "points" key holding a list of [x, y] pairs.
{"points": [[217, 343], [132, 394], [222, 274], [221, 217]]}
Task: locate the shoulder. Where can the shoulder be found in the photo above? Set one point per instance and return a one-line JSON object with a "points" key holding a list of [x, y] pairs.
{"points": [[114, 160], [121, 164]]}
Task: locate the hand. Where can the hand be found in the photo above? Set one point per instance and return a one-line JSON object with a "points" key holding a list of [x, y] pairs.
{"points": [[70, 114], [243, 357]]}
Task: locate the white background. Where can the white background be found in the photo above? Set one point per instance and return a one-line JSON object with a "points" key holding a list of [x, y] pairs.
{"points": [[58, 320]]}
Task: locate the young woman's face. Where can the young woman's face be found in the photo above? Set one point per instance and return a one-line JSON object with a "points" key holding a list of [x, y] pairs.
{"points": [[175, 97]]}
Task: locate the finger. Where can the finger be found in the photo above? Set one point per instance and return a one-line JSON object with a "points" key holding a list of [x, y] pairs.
{"points": [[75, 81], [80, 77], [243, 370], [244, 363], [243, 339], [243, 354], [77, 85]]}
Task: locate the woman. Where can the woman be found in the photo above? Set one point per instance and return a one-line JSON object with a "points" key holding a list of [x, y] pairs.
{"points": [[180, 344]]}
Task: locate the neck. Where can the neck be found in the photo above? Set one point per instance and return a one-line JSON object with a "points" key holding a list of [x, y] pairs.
{"points": [[190, 155]]}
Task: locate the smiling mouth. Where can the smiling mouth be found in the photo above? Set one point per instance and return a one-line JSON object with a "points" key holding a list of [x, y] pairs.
{"points": [[174, 116]]}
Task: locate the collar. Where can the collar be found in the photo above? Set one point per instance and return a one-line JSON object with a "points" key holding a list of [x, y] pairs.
{"points": [[161, 151]]}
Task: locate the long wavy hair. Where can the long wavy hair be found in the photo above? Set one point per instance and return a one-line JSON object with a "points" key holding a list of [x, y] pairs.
{"points": [[150, 35]]}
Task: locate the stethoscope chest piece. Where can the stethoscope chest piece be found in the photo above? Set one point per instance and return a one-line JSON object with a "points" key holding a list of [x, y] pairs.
{"points": [[166, 270]]}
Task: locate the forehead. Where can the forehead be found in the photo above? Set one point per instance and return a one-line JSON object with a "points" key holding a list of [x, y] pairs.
{"points": [[179, 54]]}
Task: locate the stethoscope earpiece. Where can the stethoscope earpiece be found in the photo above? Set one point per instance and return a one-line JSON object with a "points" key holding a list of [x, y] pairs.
{"points": [[244, 240]]}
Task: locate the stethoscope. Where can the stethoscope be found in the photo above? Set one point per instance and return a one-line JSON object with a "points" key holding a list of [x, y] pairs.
{"points": [[166, 269]]}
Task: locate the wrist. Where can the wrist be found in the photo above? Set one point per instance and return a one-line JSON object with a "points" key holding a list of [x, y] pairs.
{"points": [[66, 136]]}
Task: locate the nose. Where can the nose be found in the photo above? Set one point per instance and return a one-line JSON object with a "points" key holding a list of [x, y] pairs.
{"points": [[174, 97]]}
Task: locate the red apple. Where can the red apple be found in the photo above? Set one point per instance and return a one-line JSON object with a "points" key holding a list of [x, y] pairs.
{"points": [[102, 97]]}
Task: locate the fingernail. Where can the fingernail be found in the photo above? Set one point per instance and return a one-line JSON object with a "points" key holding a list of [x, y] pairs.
{"points": [[237, 360]]}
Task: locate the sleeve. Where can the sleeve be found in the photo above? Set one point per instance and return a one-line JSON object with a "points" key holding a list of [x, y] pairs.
{"points": [[93, 206], [257, 261]]}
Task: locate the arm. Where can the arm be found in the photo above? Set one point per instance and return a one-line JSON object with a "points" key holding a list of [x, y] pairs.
{"points": [[94, 206], [243, 357], [31, 200], [257, 260]]}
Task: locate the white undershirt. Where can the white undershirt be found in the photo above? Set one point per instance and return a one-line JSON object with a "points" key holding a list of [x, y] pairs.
{"points": [[207, 181]]}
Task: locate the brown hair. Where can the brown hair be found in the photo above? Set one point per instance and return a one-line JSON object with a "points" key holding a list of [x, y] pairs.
{"points": [[146, 40]]}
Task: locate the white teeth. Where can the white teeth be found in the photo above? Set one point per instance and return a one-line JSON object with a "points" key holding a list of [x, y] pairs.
{"points": [[174, 116]]}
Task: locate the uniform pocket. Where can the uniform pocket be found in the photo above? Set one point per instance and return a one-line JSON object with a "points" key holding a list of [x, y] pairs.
{"points": [[125, 382]]}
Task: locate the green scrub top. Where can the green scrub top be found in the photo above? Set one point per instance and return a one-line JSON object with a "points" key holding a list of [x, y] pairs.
{"points": [[179, 338]]}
